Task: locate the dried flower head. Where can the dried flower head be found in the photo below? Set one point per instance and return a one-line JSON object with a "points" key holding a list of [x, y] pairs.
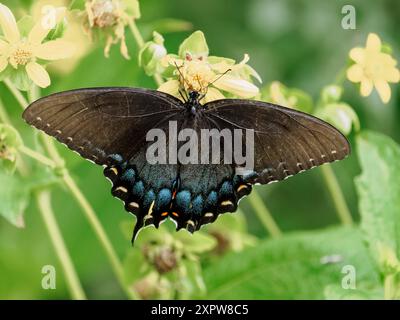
{"points": [[110, 18]]}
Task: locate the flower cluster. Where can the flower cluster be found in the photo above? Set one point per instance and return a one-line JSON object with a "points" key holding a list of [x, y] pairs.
{"points": [[193, 69], [167, 264]]}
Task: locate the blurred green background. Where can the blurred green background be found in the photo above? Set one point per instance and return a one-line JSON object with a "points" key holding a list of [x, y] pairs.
{"points": [[300, 43]]}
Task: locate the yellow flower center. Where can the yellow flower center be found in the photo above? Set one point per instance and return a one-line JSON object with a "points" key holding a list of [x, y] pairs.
{"points": [[21, 55], [197, 75]]}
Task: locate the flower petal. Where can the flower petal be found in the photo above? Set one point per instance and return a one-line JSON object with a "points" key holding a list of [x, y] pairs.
{"points": [[366, 87], [213, 94], [373, 42], [392, 75], [355, 73], [383, 89], [54, 50], [171, 87], [42, 28], [239, 87], [195, 44], [38, 74], [3, 63], [358, 55], [3, 46], [8, 24]]}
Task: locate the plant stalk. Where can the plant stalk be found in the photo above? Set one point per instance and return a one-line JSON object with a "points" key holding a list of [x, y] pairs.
{"points": [[264, 215], [71, 277], [336, 193]]}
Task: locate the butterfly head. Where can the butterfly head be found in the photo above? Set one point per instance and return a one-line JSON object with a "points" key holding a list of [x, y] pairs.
{"points": [[194, 97]]}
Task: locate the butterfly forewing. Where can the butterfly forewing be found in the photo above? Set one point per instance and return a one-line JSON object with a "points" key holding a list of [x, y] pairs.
{"points": [[285, 141], [99, 122]]}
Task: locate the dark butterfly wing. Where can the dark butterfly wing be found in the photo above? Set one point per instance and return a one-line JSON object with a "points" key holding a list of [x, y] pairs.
{"points": [[109, 127], [99, 122], [286, 141]]}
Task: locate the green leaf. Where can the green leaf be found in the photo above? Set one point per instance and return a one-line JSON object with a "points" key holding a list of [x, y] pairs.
{"points": [[195, 44], [14, 198], [20, 79], [292, 267], [15, 192], [336, 292], [10, 141], [378, 188]]}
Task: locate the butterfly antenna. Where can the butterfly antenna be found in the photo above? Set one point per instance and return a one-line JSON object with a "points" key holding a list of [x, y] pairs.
{"points": [[185, 98], [219, 77], [211, 83], [180, 73]]}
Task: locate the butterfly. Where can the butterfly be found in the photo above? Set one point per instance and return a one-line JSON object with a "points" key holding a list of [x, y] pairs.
{"points": [[108, 126]]}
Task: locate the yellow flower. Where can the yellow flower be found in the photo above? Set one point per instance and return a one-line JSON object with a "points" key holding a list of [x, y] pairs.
{"points": [[198, 74], [214, 77], [19, 51], [73, 32], [111, 17], [373, 68]]}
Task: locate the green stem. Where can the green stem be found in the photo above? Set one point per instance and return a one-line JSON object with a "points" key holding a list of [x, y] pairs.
{"points": [[340, 77], [37, 156], [337, 195], [17, 94], [3, 114], [140, 43], [389, 287], [71, 277], [264, 215]]}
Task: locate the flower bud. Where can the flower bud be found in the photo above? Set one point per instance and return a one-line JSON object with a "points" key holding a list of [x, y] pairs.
{"points": [[340, 115], [151, 54], [10, 141]]}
